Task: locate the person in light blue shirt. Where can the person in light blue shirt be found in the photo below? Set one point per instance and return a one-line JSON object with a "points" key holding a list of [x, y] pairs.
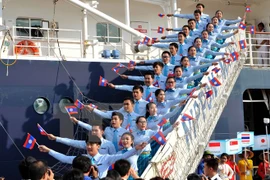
{"points": [[219, 15], [106, 147], [218, 28], [128, 112], [148, 88], [144, 135], [102, 161]]}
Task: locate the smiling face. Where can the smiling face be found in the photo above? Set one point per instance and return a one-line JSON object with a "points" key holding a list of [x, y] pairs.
{"points": [[210, 28], [170, 83], [142, 123], [126, 141], [161, 96], [166, 58], [152, 109], [148, 80], [185, 62], [192, 52], [92, 148]]}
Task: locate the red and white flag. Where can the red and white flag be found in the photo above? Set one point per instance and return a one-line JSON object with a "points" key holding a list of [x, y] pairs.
{"points": [[260, 142], [214, 147], [233, 146]]}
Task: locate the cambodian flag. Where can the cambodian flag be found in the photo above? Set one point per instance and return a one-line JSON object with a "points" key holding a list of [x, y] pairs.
{"points": [[248, 9], [146, 40], [161, 15], [234, 56], [162, 122], [242, 44], [215, 82], [131, 64], [41, 130], [156, 84], [79, 104], [160, 30], [209, 93], [93, 106], [216, 70], [102, 81], [242, 26], [186, 117], [71, 110], [29, 142], [149, 98], [159, 138], [252, 30]]}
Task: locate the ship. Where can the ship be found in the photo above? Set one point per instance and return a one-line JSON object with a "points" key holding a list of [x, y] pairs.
{"points": [[71, 43]]}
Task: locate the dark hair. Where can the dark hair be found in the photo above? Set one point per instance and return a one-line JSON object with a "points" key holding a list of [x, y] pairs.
{"points": [[204, 31], [261, 24], [37, 170], [158, 64], [158, 91], [174, 45], [196, 39], [147, 114], [183, 58], [218, 11], [175, 67], [139, 117], [92, 139], [138, 87], [186, 27], [170, 78], [208, 25], [224, 154], [122, 166], [24, 166], [182, 34], [74, 174], [193, 176], [212, 163], [197, 11], [129, 99], [82, 163], [120, 115], [166, 52], [191, 20], [200, 4], [114, 175], [214, 18], [150, 74], [191, 47], [131, 136], [157, 178]]}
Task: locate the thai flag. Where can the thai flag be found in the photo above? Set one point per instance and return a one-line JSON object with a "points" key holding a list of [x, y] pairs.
{"points": [[208, 94], [242, 44], [186, 117], [93, 106], [171, 74], [252, 30], [153, 40], [162, 122], [71, 110], [146, 40], [245, 138], [160, 30], [79, 104], [242, 26], [234, 56], [29, 142], [131, 64], [41, 130], [128, 128], [159, 138], [117, 67], [156, 84], [216, 70], [149, 98], [215, 82], [248, 9], [214, 147], [102, 81], [161, 15], [227, 61]]}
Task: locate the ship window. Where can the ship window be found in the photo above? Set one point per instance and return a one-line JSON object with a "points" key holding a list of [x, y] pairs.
{"points": [[65, 102], [108, 33], [41, 105], [24, 26]]}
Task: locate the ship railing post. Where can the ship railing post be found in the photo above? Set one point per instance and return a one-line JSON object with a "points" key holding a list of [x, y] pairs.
{"points": [[250, 49], [48, 41]]}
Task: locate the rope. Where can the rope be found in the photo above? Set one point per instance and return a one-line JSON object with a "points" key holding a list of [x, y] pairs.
{"points": [[3, 42]]}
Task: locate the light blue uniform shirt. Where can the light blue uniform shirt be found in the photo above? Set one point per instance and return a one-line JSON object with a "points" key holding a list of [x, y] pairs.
{"points": [[139, 107], [109, 134], [228, 22], [203, 52], [171, 94], [161, 79], [133, 159], [106, 147], [195, 61], [219, 28], [102, 161], [167, 69], [182, 48], [183, 81], [164, 107], [215, 36], [204, 17], [207, 43]]}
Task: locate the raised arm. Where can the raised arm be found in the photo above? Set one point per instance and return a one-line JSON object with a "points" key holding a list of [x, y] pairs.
{"points": [[69, 142], [82, 124]]}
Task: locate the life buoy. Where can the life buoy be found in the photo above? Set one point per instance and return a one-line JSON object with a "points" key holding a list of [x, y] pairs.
{"points": [[26, 47]]}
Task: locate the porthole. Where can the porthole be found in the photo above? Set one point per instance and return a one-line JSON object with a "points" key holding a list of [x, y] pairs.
{"points": [[65, 102], [41, 105]]}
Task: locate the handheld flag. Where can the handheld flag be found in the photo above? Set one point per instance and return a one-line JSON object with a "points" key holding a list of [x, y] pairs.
{"points": [[242, 26], [29, 142], [146, 40], [186, 117], [156, 84], [117, 67], [79, 104], [93, 106], [149, 98], [71, 110], [242, 44], [216, 70], [234, 56], [131, 64], [160, 30], [248, 9], [128, 128], [252, 30], [102, 81], [227, 61], [159, 138], [41, 130], [208, 94], [171, 74], [162, 122], [215, 82], [192, 92], [161, 15], [154, 40]]}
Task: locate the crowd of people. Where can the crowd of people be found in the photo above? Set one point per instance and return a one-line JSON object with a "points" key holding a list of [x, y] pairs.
{"points": [[127, 145]]}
